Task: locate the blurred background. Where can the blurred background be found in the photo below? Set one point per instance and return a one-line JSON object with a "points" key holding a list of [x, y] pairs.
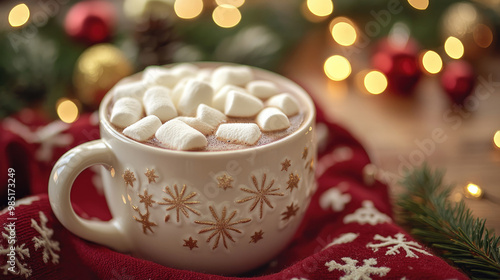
{"points": [[414, 80]]}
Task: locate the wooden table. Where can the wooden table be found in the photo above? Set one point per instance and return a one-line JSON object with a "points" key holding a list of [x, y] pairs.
{"points": [[398, 132]]}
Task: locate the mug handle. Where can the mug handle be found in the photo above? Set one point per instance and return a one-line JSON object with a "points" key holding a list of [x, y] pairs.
{"points": [[68, 167]]}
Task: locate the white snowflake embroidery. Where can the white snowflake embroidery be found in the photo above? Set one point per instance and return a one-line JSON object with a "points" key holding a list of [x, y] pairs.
{"points": [[340, 154], [335, 199], [344, 238], [394, 244], [367, 214], [48, 136], [123, 276], [301, 278], [44, 240], [20, 254], [353, 272]]}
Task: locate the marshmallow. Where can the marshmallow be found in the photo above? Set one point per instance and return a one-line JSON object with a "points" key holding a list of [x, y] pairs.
{"points": [[126, 111], [143, 129], [262, 89], [133, 89], [285, 102], [157, 102], [184, 70], [210, 115], [238, 133], [242, 105], [178, 135], [197, 124], [195, 93], [233, 75], [219, 100], [204, 75], [272, 119], [178, 90], [157, 75]]}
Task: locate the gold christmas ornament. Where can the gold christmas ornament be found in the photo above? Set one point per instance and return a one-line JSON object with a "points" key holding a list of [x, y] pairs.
{"points": [[466, 23], [97, 70]]}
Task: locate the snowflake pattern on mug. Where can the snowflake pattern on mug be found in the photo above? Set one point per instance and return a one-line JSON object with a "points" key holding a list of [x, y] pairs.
{"points": [[221, 227], [260, 194], [179, 202]]}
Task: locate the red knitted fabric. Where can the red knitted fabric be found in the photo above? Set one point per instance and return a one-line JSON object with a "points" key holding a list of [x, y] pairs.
{"points": [[347, 232]]}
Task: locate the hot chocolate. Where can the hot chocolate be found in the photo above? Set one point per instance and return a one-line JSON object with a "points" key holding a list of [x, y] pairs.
{"points": [[190, 107]]}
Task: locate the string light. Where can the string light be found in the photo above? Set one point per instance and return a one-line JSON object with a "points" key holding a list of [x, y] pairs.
{"points": [[226, 16], [67, 110], [419, 4], [432, 62], [454, 47], [188, 9], [375, 82], [496, 139], [344, 33], [235, 3], [19, 15], [337, 68], [483, 36], [320, 8], [473, 191]]}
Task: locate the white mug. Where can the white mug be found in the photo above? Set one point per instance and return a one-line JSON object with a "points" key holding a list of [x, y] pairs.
{"points": [[223, 212]]}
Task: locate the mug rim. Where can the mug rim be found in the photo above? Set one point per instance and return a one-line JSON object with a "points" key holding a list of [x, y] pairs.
{"points": [[266, 74]]}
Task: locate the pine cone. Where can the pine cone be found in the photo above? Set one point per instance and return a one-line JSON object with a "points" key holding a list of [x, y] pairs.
{"points": [[155, 38]]}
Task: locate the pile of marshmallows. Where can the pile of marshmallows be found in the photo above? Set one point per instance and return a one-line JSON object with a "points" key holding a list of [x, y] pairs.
{"points": [[184, 104]]}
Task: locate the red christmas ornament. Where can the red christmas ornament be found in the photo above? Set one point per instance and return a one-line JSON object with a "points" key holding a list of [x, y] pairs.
{"points": [[91, 22], [458, 80], [399, 63]]}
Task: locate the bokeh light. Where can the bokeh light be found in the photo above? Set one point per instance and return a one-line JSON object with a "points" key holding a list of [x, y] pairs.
{"points": [[483, 36], [226, 16], [67, 110], [419, 4], [344, 33], [473, 191], [19, 15], [235, 3], [337, 68], [320, 8], [454, 47], [432, 62], [375, 82], [496, 139], [188, 9]]}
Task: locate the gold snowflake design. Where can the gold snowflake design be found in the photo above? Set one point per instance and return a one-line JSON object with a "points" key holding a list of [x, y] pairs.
{"points": [[151, 175], [309, 165], [285, 164], [290, 212], [190, 243], [258, 235], [144, 220], [293, 182], [259, 195], [147, 199], [221, 227], [224, 182], [129, 178], [304, 153], [179, 202]]}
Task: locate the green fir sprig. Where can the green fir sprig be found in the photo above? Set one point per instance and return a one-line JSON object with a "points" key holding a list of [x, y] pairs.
{"points": [[450, 228]]}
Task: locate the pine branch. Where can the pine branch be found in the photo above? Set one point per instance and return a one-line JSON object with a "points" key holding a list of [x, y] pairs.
{"points": [[449, 227]]}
